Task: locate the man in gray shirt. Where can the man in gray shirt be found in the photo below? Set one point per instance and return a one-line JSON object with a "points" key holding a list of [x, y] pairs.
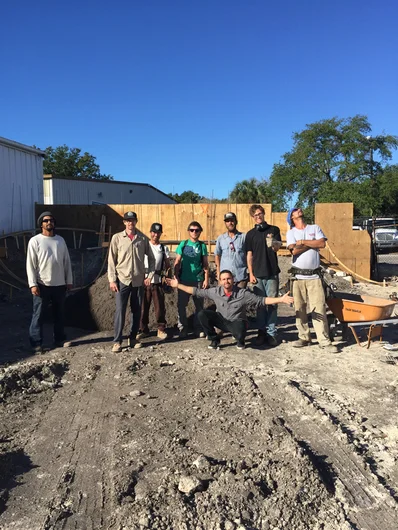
{"points": [[230, 315]]}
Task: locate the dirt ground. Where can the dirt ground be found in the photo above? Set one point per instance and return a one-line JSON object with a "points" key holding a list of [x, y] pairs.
{"points": [[175, 436]]}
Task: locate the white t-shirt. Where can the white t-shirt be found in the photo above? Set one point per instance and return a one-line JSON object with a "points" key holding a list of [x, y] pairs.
{"points": [[158, 255], [48, 261], [309, 259]]}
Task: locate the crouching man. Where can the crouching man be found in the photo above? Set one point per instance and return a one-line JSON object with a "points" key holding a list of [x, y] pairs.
{"points": [[230, 315]]}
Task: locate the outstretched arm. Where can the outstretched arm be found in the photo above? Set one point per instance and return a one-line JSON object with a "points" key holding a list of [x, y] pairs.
{"points": [[285, 299], [175, 283]]}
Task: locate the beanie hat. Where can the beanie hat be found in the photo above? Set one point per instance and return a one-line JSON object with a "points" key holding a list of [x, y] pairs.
{"points": [[41, 216]]}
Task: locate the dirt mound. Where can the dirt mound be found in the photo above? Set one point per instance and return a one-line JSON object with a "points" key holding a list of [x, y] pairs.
{"points": [[31, 378], [93, 308]]}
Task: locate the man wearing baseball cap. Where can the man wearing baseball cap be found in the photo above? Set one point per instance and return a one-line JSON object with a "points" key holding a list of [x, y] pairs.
{"points": [[126, 274], [154, 291], [230, 253]]}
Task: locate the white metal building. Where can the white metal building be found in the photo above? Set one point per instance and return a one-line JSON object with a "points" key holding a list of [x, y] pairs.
{"points": [[21, 185], [63, 190]]}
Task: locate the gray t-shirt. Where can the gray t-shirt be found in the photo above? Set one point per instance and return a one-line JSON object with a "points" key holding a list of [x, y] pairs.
{"points": [[309, 259], [231, 307]]}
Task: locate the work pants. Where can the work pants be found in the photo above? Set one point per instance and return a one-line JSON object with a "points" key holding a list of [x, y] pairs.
{"points": [[309, 296], [122, 297], [153, 292], [55, 295], [182, 302], [212, 319], [267, 315]]}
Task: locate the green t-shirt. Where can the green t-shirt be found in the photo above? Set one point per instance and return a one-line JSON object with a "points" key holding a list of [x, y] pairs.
{"points": [[191, 260]]}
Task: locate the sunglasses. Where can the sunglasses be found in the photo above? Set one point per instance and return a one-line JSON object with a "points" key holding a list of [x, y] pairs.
{"points": [[47, 220], [232, 246], [194, 229]]}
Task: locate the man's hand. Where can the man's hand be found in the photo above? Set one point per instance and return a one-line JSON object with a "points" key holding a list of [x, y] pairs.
{"points": [[287, 299], [69, 286], [147, 281], [172, 282], [276, 245], [252, 278], [113, 287], [35, 291], [205, 284]]}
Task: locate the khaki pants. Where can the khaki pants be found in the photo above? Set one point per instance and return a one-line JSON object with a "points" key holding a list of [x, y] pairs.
{"points": [[310, 297]]}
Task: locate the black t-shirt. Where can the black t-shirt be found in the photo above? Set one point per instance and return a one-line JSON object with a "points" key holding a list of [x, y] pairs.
{"points": [[265, 260]]}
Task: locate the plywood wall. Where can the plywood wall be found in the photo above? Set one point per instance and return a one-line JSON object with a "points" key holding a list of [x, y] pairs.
{"points": [[352, 247]]}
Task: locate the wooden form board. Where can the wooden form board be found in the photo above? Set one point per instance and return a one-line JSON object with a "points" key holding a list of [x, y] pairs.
{"points": [[175, 218], [352, 247]]}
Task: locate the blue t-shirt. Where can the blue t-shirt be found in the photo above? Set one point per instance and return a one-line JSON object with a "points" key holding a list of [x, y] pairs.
{"points": [[232, 255], [191, 260]]}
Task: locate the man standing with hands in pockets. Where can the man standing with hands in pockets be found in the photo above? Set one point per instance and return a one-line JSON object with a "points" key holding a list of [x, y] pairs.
{"points": [[126, 274]]}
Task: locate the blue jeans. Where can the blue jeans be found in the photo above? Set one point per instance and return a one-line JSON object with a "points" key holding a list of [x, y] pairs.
{"points": [[182, 303], [122, 298], [267, 315], [55, 295]]}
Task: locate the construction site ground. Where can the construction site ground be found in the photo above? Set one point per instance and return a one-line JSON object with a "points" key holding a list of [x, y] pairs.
{"points": [[177, 436]]}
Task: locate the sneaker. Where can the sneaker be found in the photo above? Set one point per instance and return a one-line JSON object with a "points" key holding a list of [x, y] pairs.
{"points": [[183, 333], [117, 347], [142, 335], [329, 348], [240, 345], [272, 341], [301, 343], [214, 345], [261, 338], [162, 335]]}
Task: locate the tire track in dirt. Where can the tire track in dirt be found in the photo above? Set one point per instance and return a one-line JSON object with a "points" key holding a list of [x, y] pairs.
{"points": [[368, 502], [70, 484]]}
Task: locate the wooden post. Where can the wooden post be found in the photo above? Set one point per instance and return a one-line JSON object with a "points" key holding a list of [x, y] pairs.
{"points": [[80, 239], [74, 239], [82, 270], [17, 241], [24, 243]]}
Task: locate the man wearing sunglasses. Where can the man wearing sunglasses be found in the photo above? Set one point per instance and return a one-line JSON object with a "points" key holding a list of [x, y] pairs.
{"points": [[230, 251], [49, 274], [191, 267]]}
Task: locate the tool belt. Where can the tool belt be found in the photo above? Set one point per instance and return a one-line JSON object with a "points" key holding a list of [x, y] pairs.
{"points": [[305, 272]]}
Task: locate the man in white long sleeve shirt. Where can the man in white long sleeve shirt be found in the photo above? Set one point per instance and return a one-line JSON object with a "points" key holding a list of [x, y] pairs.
{"points": [[49, 274]]}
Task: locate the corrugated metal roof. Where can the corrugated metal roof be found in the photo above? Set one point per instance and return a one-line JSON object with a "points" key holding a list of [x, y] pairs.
{"points": [[21, 147]]}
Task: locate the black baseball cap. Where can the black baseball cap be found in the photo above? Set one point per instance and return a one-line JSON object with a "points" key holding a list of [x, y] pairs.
{"points": [[130, 216], [156, 227], [230, 216]]}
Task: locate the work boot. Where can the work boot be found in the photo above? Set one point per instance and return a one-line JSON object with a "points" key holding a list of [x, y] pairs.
{"points": [[272, 341], [331, 348], [214, 345], [162, 335], [240, 345], [301, 343], [261, 338], [38, 349], [117, 347], [134, 343]]}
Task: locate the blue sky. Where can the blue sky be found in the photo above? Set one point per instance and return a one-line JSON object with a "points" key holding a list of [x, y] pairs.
{"points": [[193, 94]]}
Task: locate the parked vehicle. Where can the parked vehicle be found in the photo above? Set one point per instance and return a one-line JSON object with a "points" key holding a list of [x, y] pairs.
{"points": [[386, 239]]}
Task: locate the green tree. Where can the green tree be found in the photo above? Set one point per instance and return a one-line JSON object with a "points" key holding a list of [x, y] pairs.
{"points": [[329, 152], [64, 161], [252, 191], [186, 197]]}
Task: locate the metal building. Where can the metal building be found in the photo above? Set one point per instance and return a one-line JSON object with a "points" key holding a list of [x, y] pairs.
{"points": [[63, 190], [21, 185]]}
